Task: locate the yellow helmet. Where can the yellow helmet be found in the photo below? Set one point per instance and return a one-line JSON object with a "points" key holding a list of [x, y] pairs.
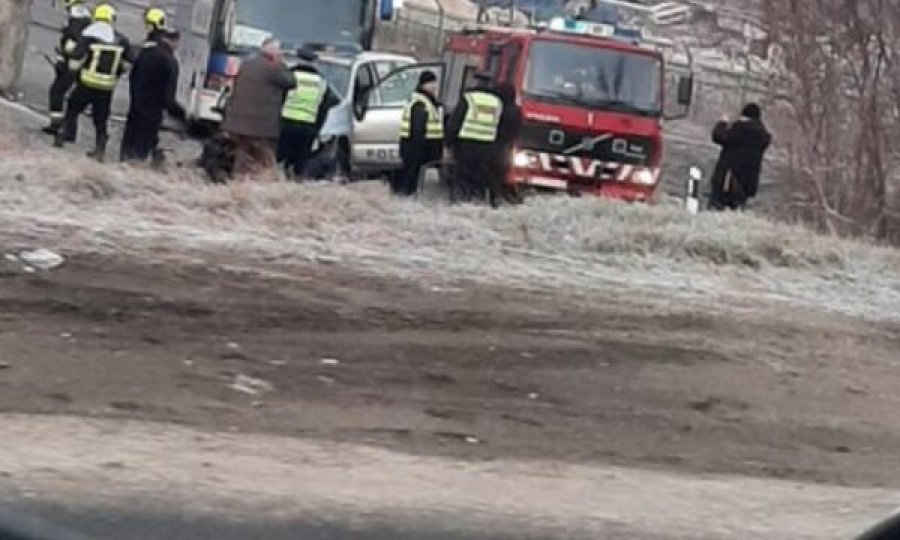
{"points": [[155, 18], [105, 13]]}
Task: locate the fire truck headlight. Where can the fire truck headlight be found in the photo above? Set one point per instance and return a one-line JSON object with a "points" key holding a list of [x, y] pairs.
{"points": [[643, 177], [521, 159]]}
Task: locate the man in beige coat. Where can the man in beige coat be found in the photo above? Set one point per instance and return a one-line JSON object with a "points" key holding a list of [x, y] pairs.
{"points": [[253, 114]]}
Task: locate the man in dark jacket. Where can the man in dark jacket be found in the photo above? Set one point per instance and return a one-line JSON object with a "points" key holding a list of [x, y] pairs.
{"points": [[153, 84], [79, 17], [305, 110], [253, 113], [421, 134], [744, 144], [510, 126]]}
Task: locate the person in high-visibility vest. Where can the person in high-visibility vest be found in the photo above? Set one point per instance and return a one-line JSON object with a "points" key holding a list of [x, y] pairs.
{"points": [[101, 58], [473, 137], [421, 134], [305, 110], [79, 17]]}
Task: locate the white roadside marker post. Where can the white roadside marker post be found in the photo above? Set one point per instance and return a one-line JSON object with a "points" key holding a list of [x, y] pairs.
{"points": [[692, 191]]}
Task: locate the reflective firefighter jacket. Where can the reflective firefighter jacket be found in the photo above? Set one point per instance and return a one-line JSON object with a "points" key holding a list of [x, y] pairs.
{"points": [[101, 57], [79, 19]]}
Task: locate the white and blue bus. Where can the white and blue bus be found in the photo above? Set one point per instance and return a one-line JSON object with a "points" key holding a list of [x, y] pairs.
{"points": [[216, 34]]}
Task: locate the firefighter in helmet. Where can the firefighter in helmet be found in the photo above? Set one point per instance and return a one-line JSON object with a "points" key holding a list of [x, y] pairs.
{"points": [[155, 20], [78, 18], [421, 134], [101, 57], [474, 134]]}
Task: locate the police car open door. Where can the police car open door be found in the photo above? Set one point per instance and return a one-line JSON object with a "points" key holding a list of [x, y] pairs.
{"points": [[378, 112]]}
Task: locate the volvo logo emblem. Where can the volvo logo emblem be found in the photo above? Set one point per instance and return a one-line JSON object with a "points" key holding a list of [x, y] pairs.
{"points": [[588, 143], [557, 137]]}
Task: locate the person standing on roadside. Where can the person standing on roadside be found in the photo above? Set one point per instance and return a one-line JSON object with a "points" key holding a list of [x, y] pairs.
{"points": [[305, 110], [473, 132], [744, 143], [421, 134], [79, 17], [101, 57], [153, 86], [253, 113], [510, 126]]}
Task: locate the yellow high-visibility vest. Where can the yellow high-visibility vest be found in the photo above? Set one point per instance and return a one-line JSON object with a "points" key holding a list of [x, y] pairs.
{"points": [[303, 102], [98, 76], [482, 117], [434, 127]]}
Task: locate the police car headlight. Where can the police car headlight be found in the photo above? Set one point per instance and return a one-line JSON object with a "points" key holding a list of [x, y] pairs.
{"points": [[521, 159], [643, 177]]}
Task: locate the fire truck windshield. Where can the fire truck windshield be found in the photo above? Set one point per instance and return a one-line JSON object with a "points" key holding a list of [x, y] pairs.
{"points": [[595, 77], [296, 22]]}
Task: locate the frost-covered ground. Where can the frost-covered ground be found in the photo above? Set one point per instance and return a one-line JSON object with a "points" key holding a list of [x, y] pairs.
{"points": [[579, 246]]}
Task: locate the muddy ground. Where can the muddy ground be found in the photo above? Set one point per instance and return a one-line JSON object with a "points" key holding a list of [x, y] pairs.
{"points": [[468, 371]]}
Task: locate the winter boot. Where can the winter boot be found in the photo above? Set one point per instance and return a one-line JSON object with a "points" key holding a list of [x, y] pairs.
{"points": [[59, 139], [99, 152], [53, 128], [158, 160]]}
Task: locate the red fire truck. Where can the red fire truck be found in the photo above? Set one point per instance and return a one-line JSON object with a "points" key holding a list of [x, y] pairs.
{"points": [[593, 98]]}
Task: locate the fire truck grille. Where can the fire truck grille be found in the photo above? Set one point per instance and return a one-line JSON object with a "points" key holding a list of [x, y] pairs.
{"points": [[607, 147]]}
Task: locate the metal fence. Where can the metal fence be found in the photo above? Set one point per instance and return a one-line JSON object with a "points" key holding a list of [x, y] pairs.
{"points": [[418, 32]]}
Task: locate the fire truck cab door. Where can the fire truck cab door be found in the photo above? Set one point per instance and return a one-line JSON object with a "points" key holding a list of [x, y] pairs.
{"points": [[376, 133]]}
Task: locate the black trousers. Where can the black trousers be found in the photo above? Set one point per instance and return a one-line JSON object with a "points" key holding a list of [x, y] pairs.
{"points": [[406, 181], [61, 85], [474, 166], [727, 192], [81, 98], [141, 137], [295, 146]]}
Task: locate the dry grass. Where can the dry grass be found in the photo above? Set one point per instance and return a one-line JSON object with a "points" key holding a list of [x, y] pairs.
{"points": [[581, 244]]}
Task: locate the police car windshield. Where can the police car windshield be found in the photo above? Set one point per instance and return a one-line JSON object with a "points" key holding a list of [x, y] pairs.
{"points": [[296, 22], [584, 76], [337, 75]]}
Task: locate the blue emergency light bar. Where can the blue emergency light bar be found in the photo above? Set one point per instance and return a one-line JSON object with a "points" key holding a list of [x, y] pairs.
{"points": [[386, 9], [598, 29]]}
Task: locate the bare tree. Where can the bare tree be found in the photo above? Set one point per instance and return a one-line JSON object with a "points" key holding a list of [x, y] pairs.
{"points": [[841, 81], [14, 16]]}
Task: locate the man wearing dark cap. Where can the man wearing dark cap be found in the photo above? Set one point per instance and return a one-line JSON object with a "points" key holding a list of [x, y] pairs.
{"points": [[305, 110], [744, 143], [421, 134], [153, 85]]}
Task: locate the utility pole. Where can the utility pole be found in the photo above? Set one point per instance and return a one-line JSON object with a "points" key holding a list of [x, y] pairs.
{"points": [[14, 18]]}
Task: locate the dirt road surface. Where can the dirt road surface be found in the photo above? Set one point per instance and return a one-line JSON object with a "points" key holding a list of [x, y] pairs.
{"points": [[259, 357], [471, 378]]}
